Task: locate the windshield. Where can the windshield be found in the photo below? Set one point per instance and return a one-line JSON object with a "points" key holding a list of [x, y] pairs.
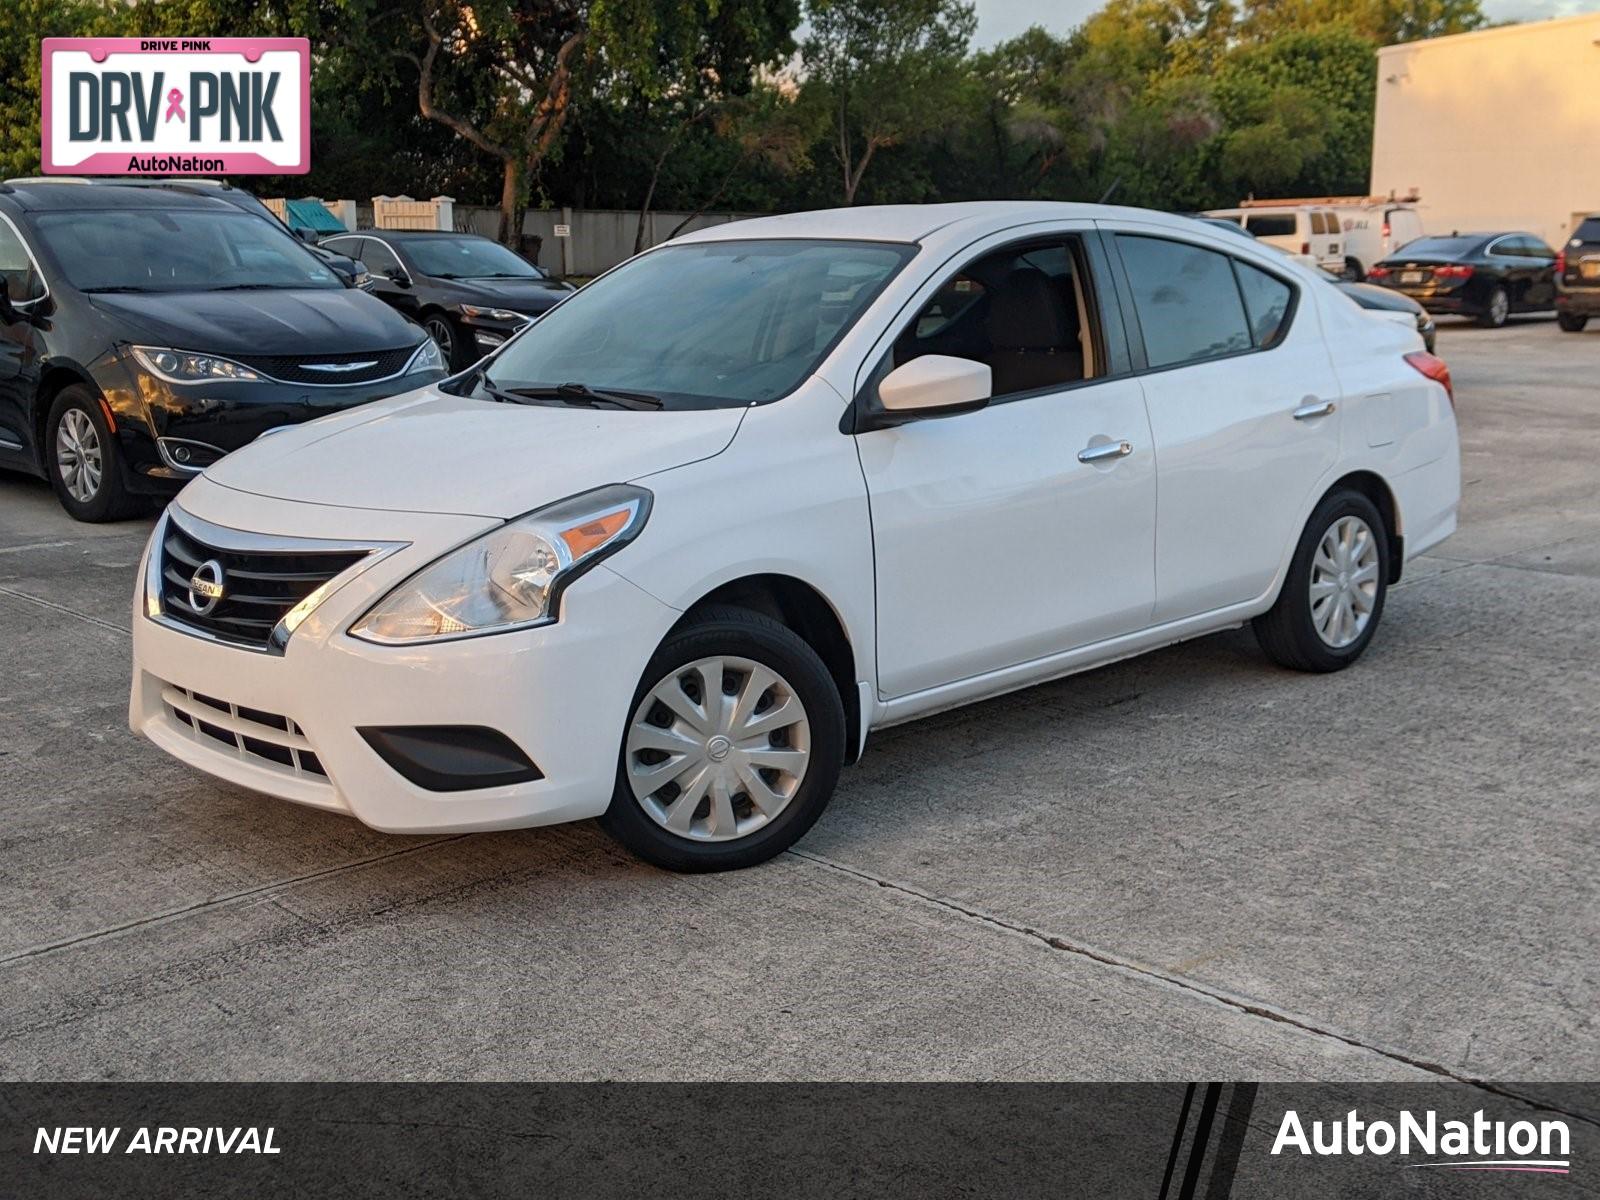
{"points": [[712, 324], [1438, 247], [468, 258], [178, 250]]}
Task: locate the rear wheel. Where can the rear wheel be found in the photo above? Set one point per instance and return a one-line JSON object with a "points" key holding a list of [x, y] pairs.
{"points": [[733, 747], [1352, 272], [1571, 322], [1332, 599], [81, 458], [1496, 308]]}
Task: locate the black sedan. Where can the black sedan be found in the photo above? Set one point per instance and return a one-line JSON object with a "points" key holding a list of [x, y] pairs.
{"points": [[144, 333], [1377, 299], [468, 292], [1488, 276]]}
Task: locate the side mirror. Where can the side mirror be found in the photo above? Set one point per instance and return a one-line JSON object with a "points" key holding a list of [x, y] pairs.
{"points": [[10, 314], [397, 275], [934, 385]]}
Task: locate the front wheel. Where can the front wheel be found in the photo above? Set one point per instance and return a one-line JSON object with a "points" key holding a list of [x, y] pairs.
{"points": [[447, 337], [81, 458], [1332, 598], [1495, 309], [733, 747], [1571, 322]]}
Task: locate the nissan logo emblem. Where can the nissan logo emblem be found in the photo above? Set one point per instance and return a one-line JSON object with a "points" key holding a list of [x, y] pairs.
{"points": [[205, 587]]}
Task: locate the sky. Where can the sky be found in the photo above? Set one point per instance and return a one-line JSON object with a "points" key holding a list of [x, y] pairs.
{"points": [[1002, 19]]}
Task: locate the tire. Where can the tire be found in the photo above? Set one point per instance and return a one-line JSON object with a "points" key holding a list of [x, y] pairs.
{"points": [[448, 337], [642, 803], [1571, 322], [1496, 308], [1352, 272], [1289, 631], [81, 459]]}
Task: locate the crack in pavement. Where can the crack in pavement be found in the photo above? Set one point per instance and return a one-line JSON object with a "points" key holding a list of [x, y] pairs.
{"points": [[265, 889], [1150, 973], [62, 608]]}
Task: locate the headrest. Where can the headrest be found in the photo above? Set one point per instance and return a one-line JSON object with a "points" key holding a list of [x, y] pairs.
{"points": [[1026, 313]]}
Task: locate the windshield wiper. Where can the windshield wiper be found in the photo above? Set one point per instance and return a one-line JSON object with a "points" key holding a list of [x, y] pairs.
{"points": [[578, 393], [249, 287], [120, 287]]}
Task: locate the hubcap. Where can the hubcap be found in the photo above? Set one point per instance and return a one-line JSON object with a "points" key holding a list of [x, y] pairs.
{"points": [[78, 456], [1499, 306], [442, 337], [718, 749], [1344, 582]]}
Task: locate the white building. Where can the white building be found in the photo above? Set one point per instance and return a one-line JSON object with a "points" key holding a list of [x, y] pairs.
{"points": [[1498, 129]]}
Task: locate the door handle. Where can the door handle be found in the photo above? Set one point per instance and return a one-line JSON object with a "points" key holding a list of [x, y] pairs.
{"points": [[1313, 408], [1104, 451]]}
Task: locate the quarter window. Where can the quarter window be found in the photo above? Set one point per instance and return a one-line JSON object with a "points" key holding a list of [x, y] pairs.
{"points": [[1266, 303], [1188, 303]]}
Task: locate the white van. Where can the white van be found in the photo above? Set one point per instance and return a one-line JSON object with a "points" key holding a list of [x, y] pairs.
{"points": [[1375, 230], [1315, 231]]}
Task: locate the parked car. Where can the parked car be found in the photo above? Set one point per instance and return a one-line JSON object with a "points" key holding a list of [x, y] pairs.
{"points": [[1484, 275], [1308, 229], [146, 332], [1373, 229], [352, 272], [468, 292], [1381, 302], [672, 553], [1578, 276]]}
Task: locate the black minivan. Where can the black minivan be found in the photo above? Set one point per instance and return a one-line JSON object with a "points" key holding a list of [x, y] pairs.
{"points": [[144, 333]]}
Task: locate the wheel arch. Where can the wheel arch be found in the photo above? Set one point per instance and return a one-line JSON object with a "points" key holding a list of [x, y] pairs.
{"points": [[54, 380], [801, 607], [1376, 489]]}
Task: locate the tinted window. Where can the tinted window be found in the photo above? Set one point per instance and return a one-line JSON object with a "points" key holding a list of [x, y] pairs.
{"points": [[1440, 247], [378, 258], [468, 257], [1588, 230], [1266, 302], [707, 324], [1319, 223], [1271, 224], [350, 247], [1188, 303], [149, 250], [22, 281], [1534, 248]]}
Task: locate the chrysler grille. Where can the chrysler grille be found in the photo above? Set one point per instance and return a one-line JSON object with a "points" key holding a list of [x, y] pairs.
{"points": [[337, 369]]}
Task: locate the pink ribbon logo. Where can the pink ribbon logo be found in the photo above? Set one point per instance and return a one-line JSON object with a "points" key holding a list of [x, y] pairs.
{"points": [[175, 105]]}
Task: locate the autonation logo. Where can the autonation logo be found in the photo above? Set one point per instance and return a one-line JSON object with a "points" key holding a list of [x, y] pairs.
{"points": [[1476, 1145]]}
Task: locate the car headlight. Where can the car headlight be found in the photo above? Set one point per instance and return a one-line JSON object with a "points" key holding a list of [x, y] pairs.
{"points": [[491, 314], [427, 358], [184, 366], [511, 577]]}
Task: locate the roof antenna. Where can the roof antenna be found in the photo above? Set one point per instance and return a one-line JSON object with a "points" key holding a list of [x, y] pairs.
{"points": [[1106, 195]]}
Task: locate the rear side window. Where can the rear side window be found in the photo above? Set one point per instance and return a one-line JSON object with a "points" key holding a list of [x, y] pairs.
{"points": [[1188, 303], [1319, 223], [1588, 230], [1271, 224], [1266, 302]]}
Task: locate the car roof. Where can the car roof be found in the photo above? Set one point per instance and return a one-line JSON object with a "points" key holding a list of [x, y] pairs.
{"points": [[415, 235], [66, 195], [924, 223]]}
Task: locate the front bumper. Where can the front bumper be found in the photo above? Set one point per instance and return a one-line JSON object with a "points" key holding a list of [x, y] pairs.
{"points": [[561, 692], [489, 335]]}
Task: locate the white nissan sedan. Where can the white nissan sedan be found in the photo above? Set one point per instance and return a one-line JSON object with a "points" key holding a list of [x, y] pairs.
{"points": [[670, 554]]}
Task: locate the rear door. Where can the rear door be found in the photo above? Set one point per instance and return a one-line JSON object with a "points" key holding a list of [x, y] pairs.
{"points": [[1026, 528], [1243, 404]]}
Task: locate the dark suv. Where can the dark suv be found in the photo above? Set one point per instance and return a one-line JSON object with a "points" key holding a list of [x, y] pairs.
{"points": [[144, 333], [1578, 276]]}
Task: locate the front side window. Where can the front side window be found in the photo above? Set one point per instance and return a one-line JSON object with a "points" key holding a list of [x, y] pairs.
{"points": [[469, 258], [1188, 304], [1023, 311], [177, 250], [22, 279], [707, 324], [378, 258]]}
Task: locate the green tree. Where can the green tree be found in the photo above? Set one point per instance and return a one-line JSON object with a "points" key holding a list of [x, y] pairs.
{"points": [[883, 70]]}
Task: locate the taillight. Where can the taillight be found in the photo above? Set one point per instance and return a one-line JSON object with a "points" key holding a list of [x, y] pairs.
{"points": [[1561, 262], [1452, 272], [1386, 231], [1378, 273], [1305, 247], [1434, 368]]}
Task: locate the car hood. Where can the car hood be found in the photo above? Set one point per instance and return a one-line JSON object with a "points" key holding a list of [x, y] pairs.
{"points": [[280, 321], [427, 451], [520, 294]]}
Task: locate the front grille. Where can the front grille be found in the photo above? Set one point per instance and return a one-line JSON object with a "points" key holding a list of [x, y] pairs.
{"points": [[267, 739], [358, 368], [259, 587]]}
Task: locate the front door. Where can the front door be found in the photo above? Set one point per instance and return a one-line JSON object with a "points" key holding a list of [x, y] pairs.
{"points": [[1023, 529]]}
